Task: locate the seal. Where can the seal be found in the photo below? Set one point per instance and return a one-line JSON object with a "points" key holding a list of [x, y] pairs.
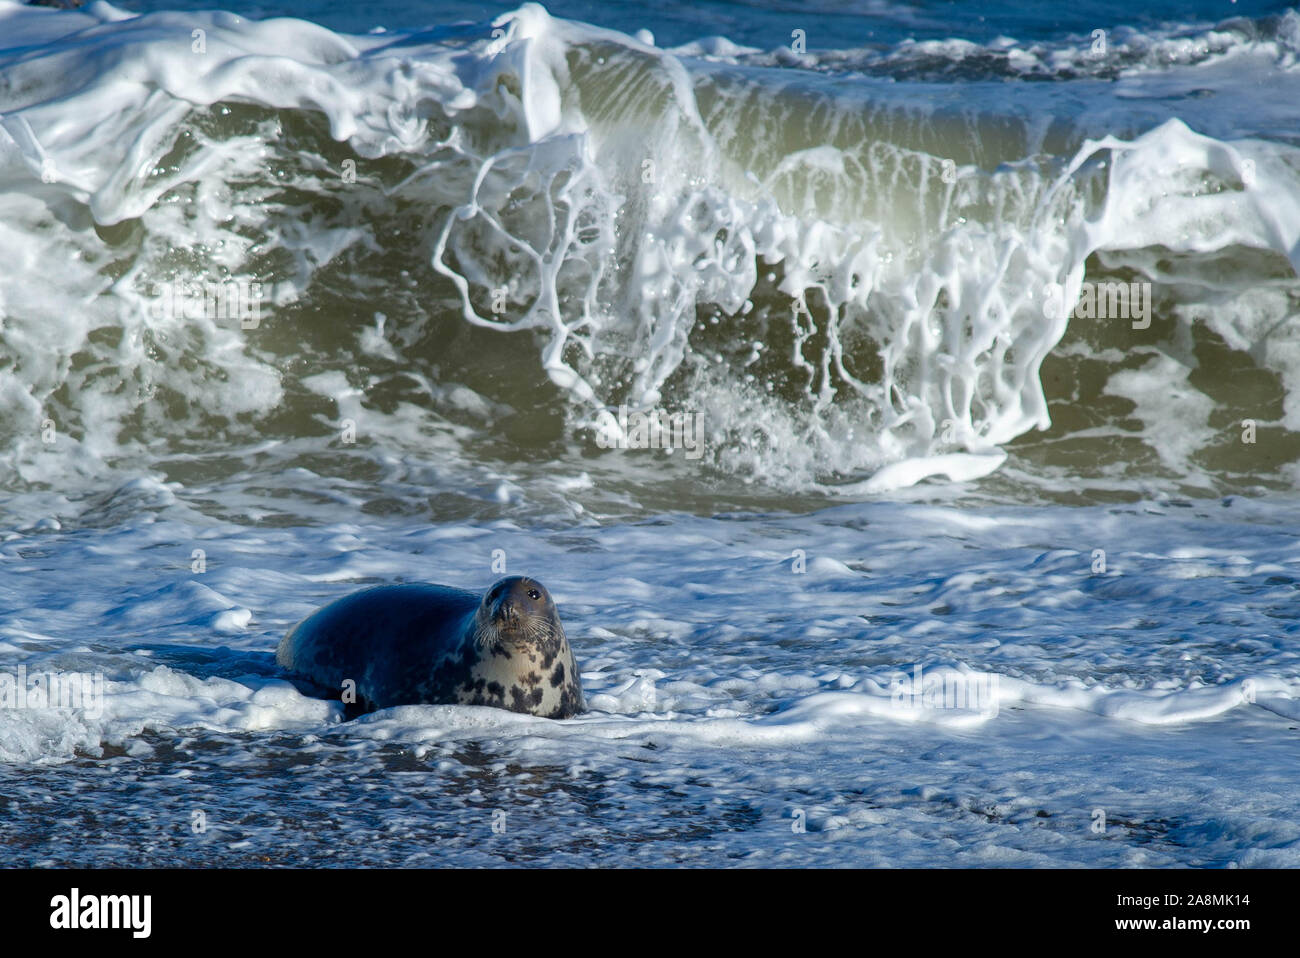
{"points": [[411, 644]]}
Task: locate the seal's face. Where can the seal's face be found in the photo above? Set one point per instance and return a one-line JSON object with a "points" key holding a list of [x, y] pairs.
{"points": [[520, 658], [517, 614]]}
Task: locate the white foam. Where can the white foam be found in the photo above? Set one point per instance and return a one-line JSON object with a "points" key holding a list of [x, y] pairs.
{"points": [[943, 264]]}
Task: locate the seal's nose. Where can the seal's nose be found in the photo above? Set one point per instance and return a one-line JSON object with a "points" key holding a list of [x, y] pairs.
{"points": [[508, 610]]}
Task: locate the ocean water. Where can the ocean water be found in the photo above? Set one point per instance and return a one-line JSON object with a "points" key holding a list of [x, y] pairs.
{"points": [[972, 538]]}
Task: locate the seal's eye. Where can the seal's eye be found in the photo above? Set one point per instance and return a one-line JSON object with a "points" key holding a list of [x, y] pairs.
{"points": [[534, 594]]}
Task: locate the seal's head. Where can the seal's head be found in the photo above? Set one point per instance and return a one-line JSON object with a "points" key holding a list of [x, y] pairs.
{"points": [[521, 657], [518, 615]]}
